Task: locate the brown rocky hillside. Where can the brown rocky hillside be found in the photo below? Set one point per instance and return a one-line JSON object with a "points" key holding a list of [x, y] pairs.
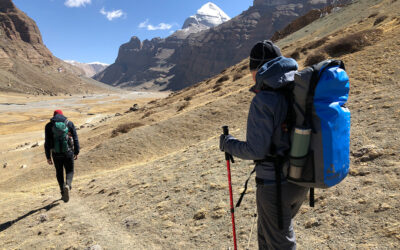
{"points": [[177, 62], [27, 66], [155, 179]]}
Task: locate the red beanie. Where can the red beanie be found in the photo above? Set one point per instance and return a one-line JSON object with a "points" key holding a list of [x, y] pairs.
{"points": [[58, 112]]}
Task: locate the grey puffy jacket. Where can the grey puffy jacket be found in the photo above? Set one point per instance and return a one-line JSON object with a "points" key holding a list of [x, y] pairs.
{"points": [[266, 115]]}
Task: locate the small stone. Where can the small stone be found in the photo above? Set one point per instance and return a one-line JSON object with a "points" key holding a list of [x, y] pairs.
{"points": [[43, 218], [362, 201], [95, 247], [5, 165], [382, 207], [35, 145], [312, 223], [130, 223], [118, 114], [219, 213], [24, 166], [135, 107], [199, 215]]}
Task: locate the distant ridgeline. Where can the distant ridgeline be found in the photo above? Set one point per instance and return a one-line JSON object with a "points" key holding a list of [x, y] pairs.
{"points": [[201, 49]]}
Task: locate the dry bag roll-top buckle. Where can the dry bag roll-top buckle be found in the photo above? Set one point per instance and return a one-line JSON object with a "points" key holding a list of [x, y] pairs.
{"points": [[299, 151]]}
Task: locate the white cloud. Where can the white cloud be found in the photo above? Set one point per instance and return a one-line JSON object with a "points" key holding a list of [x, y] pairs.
{"points": [[76, 3], [110, 15], [160, 26]]}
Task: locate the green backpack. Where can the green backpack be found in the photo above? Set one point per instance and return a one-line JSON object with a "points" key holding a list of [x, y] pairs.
{"points": [[60, 137]]}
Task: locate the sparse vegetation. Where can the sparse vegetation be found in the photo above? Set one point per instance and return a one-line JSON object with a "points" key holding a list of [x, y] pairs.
{"points": [[223, 79], [316, 44], [147, 114], [237, 76], [373, 15], [216, 89], [380, 19], [295, 55], [125, 128], [352, 42], [314, 58], [183, 106]]}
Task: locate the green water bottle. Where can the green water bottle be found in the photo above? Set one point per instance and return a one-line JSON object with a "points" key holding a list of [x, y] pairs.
{"points": [[299, 151]]}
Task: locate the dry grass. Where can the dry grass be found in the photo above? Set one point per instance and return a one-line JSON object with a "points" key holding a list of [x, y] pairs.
{"points": [[352, 42], [244, 67], [183, 106], [295, 55], [373, 15], [147, 114], [237, 76], [316, 44], [188, 98], [125, 128], [314, 58], [380, 19], [223, 79]]}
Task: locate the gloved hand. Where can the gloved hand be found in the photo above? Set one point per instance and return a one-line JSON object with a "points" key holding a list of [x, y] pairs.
{"points": [[222, 139]]}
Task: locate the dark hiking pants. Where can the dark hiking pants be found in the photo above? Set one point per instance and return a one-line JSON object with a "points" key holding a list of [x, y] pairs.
{"points": [[62, 161], [269, 234]]}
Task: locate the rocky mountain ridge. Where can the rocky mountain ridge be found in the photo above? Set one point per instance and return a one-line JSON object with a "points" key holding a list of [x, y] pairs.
{"points": [[27, 65], [177, 61], [89, 69]]}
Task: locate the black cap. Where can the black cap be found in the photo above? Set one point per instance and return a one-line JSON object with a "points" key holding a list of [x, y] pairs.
{"points": [[263, 52]]}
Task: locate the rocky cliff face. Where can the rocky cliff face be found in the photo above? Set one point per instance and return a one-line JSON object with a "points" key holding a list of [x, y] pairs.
{"points": [[178, 61], [24, 35], [26, 65]]}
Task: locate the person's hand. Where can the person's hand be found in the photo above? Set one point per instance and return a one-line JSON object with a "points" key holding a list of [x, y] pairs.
{"points": [[75, 157], [49, 161], [221, 142], [222, 139]]}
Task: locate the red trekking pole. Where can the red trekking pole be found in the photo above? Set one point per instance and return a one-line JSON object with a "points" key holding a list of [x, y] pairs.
{"points": [[229, 158]]}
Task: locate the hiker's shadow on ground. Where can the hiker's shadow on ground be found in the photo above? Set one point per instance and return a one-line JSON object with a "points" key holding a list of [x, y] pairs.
{"points": [[6, 225]]}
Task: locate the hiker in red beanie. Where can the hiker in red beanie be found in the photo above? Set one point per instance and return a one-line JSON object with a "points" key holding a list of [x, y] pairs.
{"points": [[61, 144]]}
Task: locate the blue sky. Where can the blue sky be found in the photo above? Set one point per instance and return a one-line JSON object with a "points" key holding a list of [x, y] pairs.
{"points": [[92, 30]]}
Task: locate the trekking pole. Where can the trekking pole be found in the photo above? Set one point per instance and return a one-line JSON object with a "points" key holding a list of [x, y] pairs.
{"points": [[229, 158]]}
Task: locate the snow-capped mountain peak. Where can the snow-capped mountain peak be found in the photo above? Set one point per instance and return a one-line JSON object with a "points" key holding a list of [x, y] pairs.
{"points": [[209, 15]]}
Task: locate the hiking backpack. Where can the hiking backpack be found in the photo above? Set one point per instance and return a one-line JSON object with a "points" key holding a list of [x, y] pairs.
{"points": [[61, 137], [320, 94], [316, 102]]}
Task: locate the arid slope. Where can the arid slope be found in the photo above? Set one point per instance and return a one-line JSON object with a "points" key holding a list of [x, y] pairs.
{"points": [[155, 178]]}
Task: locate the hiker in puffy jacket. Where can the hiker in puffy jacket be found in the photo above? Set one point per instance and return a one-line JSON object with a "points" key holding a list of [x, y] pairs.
{"points": [[267, 137], [62, 158]]}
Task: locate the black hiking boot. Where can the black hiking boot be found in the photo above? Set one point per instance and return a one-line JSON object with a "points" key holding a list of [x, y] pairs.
{"points": [[65, 193]]}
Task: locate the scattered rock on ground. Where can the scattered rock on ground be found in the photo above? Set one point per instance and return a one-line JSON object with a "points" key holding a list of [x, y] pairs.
{"points": [[200, 214], [382, 207], [35, 145], [118, 114], [95, 247], [368, 153], [5, 165], [130, 223], [24, 166], [313, 222], [135, 107], [43, 218]]}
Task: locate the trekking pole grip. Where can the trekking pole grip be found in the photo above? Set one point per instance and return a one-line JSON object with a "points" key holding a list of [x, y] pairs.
{"points": [[227, 155], [226, 130]]}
